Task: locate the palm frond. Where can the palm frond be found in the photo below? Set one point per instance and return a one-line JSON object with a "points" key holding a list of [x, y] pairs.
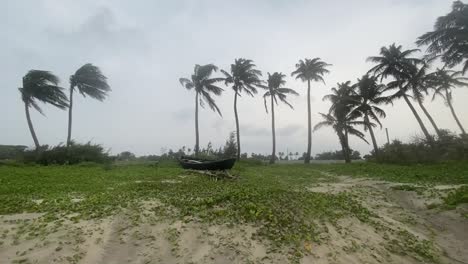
{"points": [[90, 81]]}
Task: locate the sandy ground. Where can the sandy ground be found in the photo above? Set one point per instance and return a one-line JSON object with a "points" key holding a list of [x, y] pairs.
{"points": [[125, 238]]}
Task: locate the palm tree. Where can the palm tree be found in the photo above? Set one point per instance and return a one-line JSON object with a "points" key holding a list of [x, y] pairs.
{"points": [[342, 122], [310, 70], [368, 94], [244, 78], [89, 81], [203, 85], [276, 91], [341, 97], [448, 39], [444, 82], [41, 86], [418, 83], [396, 63], [343, 101]]}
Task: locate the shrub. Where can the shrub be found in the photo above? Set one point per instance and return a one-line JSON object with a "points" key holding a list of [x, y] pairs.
{"points": [[11, 152], [74, 154], [447, 147], [337, 155]]}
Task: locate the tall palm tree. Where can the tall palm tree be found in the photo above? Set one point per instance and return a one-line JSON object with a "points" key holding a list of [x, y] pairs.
{"points": [[367, 94], [449, 37], [203, 85], [308, 70], [444, 82], [243, 77], [395, 62], [343, 123], [276, 92], [418, 83], [41, 86], [89, 81]]}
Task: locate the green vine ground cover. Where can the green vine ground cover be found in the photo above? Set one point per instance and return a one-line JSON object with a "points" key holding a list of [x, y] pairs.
{"points": [[274, 198]]}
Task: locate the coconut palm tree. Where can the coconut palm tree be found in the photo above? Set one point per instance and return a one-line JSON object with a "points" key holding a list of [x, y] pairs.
{"points": [[341, 97], [243, 77], [395, 62], [41, 86], [308, 70], [444, 82], [343, 123], [449, 37], [276, 92], [204, 86], [89, 81], [418, 84], [367, 94]]}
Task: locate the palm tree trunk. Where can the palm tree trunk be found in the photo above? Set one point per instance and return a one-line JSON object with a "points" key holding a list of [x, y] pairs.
{"points": [[418, 118], [348, 149], [449, 102], [197, 139], [31, 128], [429, 117], [371, 132], [309, 123], [70, 109], [344, 147], [237, 126], [273, 154]]}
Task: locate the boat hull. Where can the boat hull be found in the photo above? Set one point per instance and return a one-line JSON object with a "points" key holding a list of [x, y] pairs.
{"points": [[225, 164]]}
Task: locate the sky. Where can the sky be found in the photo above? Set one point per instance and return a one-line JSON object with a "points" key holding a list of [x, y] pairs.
{"points": [[144, 47]]}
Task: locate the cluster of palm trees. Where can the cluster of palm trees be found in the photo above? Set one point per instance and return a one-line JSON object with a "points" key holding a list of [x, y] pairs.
{"points": [[409, 76], [43, 86], [355, 104], [244, 78]]}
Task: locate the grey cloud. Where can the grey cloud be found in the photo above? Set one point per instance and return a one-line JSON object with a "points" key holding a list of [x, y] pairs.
{"points": [[289, 130], [183, 115], [253, 131]]}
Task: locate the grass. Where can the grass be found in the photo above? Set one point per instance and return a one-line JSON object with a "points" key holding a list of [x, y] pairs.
{"points": [[285, 209], [457, 197], [438, 173], [273, 198]]}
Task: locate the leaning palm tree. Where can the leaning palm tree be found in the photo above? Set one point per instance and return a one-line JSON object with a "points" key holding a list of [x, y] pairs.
{"points": [[449, 37], [343, 123], [444, 82], [395, 62], [308, 70], [276, 92], [41, 86], [89, 81], [418, 83], [367, 94], [203, 85], [243, 77]]}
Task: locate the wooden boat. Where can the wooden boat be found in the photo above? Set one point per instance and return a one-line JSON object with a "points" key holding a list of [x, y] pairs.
{"points": [[202, 164]]}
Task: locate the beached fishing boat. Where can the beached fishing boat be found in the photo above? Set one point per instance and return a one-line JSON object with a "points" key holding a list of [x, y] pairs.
{"points": [[201, 164]]}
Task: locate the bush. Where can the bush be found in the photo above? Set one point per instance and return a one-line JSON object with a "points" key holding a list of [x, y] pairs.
{"points": [[445, 148], [74, 154], [337, 155], [11, 152]]}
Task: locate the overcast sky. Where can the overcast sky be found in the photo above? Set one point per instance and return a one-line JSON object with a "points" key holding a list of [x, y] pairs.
{"points": [[144, 47]]}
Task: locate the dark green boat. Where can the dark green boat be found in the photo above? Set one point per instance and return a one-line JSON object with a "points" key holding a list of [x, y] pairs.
{"points": [[203, 164]]}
